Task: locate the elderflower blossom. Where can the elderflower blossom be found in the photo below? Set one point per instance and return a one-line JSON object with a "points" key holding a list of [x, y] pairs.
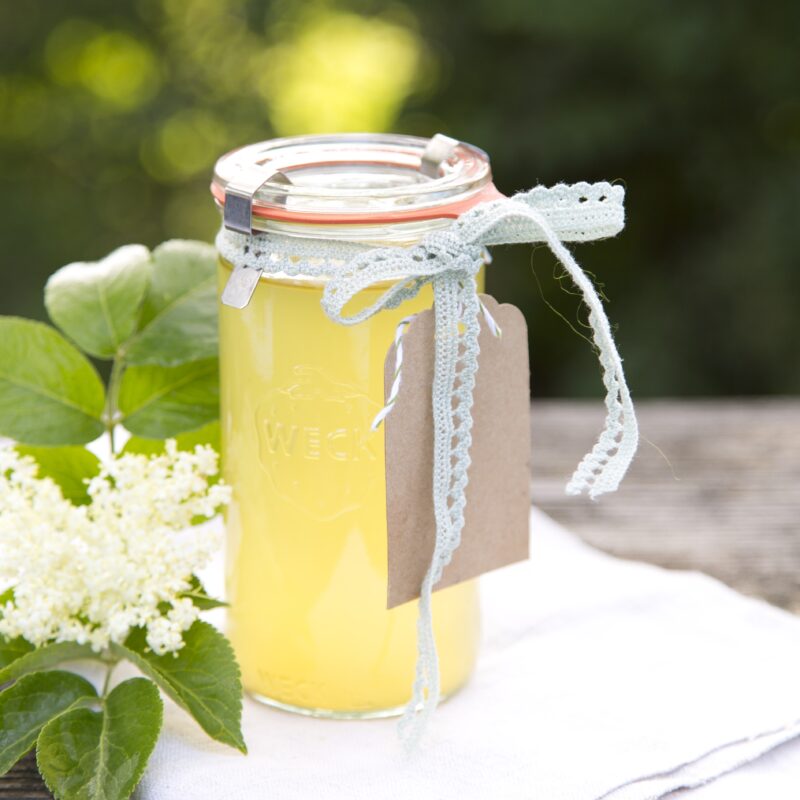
{"points": [[91, 573]]}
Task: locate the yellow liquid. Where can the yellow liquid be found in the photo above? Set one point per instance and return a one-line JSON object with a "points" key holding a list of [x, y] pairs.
{"points": [[307, 564]]}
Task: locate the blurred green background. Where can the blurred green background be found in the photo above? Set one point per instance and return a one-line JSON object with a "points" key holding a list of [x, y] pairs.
{"points": [[113, 113]]}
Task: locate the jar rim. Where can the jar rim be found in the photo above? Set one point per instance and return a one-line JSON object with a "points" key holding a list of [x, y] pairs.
{"points": [[354, 178]]}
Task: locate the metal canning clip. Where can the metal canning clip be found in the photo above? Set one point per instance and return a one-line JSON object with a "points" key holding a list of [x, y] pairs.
{"points": [[240, 286], [237, 214], [439, 149]]}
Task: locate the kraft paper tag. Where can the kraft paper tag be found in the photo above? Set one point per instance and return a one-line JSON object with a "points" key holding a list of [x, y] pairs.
{"points": [[498, 493]]}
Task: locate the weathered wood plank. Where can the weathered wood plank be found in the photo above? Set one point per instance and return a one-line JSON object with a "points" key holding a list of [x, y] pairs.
{"points": [[23, 782], [715, 487]]}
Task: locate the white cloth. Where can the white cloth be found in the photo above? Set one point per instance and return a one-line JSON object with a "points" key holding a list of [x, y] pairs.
{"points": [[599, 678]]}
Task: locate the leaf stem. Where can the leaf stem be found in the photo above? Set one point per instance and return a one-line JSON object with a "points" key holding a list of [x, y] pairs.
{"points": [[107, 682], [111, 414]]}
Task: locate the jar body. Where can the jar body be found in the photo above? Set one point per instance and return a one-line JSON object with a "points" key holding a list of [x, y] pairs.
{"points": [[307, 542]]}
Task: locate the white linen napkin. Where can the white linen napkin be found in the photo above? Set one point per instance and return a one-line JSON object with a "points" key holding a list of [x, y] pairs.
{"points": [[599, 678]]}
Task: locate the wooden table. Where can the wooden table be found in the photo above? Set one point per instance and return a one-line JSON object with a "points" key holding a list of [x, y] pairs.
{"points": [[715, 487]]}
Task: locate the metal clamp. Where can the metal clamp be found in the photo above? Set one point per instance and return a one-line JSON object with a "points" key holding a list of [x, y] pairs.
{"points": [[438, 150], [237, 213], [240, 286]]}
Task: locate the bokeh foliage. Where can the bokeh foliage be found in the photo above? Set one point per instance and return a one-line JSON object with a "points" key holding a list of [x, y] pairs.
{"points": [[112, 114]]}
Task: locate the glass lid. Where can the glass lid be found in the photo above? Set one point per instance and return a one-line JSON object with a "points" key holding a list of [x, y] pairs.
{"points": [[351, 178]]}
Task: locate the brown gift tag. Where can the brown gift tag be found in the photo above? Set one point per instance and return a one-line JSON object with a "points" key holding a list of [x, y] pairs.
{"points": [[498, 493]]}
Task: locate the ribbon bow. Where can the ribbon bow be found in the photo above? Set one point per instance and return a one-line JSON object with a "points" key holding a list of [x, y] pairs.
{"points": [[450, 260]]}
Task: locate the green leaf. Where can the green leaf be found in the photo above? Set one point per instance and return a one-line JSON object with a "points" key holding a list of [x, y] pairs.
{"points": [[101, 755], [97, 304], [29, 660], [49, 392], [178, 322], [11, 649], [68, 466], [30, 704], [203, 678], [198, 595], [208, 434], [158, 402], [144, 447]]}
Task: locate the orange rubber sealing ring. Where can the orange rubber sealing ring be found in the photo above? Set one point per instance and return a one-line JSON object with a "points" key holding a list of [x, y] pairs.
{"points": [[449, 211]]}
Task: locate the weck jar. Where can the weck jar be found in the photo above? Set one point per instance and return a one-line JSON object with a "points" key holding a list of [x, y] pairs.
{"points": [[307, 529]]}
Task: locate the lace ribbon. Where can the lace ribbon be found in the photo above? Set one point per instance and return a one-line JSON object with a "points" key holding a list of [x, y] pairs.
{"points": [[450, 259]]}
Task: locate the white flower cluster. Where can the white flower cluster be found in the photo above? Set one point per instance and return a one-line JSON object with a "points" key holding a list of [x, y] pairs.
{"points": [[90, 573]]}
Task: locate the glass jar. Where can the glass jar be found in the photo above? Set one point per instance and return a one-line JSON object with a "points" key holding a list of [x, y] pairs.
{"points": [[306, 531]]}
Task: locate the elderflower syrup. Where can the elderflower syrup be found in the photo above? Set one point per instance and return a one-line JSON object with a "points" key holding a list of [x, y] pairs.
{"points": [[306, 529]]}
